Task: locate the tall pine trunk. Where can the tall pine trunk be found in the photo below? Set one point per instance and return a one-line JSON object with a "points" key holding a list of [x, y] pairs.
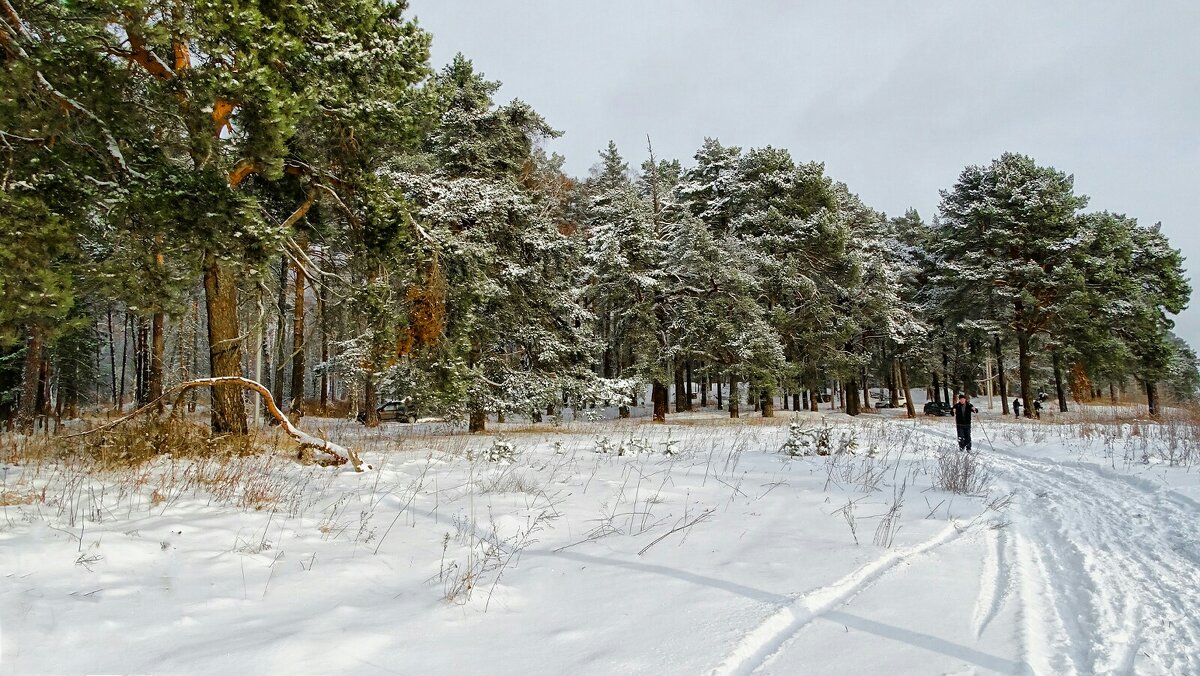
{"points": [[1058, 381], [370, 401], [851, 390], [768, 404], [687, 398], [734, 397], [323, 320], [296, 409], [1152, 397], [680, 393], [29, 379], [909, 407], [1025, 367], [280, 333], [112, 357], [157, 348], [224, 346], [999, 351], [658, 395]]}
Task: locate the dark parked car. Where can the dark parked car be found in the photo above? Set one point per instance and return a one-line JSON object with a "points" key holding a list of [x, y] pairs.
{"points": [[938, 408], [393, 410]]}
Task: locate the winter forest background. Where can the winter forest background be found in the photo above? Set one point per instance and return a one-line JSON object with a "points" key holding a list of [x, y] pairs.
{"points": [[290, 193]]}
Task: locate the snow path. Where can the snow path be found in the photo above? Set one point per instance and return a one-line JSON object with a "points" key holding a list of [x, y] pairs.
{"points": [[758, 646], [1108, 569]]}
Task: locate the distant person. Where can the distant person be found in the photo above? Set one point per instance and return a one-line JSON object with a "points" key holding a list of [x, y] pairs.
{"points": [[962, 420], [1037, 408], [1017, 407]]}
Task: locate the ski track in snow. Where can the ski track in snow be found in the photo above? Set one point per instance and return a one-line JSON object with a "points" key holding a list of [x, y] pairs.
{"points": [[996, 583], [757, 647], [1108, 568]]}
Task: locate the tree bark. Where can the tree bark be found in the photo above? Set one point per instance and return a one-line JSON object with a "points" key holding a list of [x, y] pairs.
{"points": [[112, 357], [1152, 397], [768, 404], [680, 394], [999, 351], [909, 406], [937, 389], [720, 401], [370, 402], [224, 346], [851, 390], [29, 379], [734, 397], [296, 407], [277, 384], [1025, 367], [323, 319], [658, 395], [157, 348], [1058, 381], [687, 399]]}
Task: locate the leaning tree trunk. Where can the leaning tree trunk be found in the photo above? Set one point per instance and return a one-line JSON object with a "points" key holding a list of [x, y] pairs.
{"points": [[224, 346], [658, 395], [296, 407], [998, 349], [1058, 382], [1152, 397], [909, 407], [735, 396], [1025, 363]]}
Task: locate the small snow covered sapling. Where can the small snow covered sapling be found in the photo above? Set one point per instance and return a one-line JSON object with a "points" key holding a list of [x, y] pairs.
{"points": [[605, 445], [639, 445], [802, 440], [670, 446], [501, 450]]}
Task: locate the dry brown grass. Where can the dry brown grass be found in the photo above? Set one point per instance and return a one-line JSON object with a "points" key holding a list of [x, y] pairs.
{"points": [[14, 498]]}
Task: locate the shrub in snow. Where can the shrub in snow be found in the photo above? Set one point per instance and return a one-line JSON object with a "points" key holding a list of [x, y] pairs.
{"points": [[639, 445], [605, 445], [670, 446], [502, 450], [822, 440], [960, 472]]}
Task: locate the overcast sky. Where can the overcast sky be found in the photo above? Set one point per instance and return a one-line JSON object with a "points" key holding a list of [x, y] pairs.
{"points": [[894, 97]]}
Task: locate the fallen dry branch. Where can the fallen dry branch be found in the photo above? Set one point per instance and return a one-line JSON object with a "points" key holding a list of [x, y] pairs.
{"points": [[338, 454]]}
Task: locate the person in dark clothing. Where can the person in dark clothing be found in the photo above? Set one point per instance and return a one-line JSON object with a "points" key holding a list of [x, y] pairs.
{"points": [[962, 420], [1017, 407]]}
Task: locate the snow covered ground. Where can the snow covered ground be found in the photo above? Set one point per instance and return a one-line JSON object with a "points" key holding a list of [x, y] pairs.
{"points": [[574, 556]]}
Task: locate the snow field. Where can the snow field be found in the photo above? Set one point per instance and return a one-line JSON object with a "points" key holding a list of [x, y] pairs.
{"points": [[724, 557]]}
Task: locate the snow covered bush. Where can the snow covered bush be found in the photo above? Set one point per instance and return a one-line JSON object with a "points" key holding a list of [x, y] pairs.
{"points": [[501, 450], [823, 440]]}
